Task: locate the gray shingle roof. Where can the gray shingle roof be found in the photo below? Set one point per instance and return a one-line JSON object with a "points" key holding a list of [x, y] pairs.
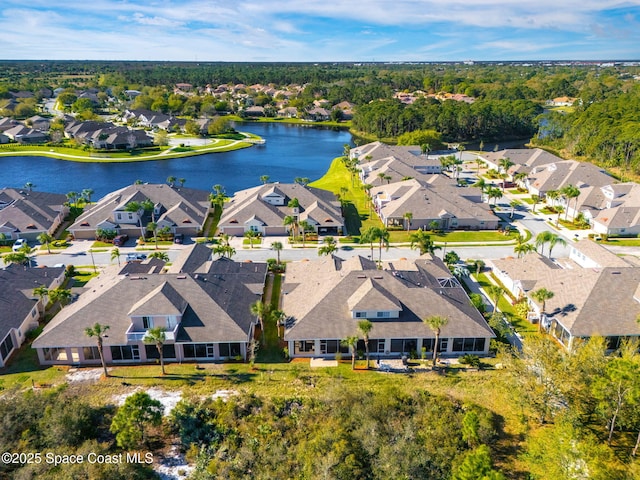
{"points": [[317, 296]]}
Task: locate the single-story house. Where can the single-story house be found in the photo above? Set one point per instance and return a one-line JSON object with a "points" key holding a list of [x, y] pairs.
{"points": [[182, 210], [207, 317], [325, 299], [27, 214], [20, 309], [452, 207], [263, 209], [596, 293]]}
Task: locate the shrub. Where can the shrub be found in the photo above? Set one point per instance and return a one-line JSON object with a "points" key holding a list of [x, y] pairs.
{"points": [[470, 359]]}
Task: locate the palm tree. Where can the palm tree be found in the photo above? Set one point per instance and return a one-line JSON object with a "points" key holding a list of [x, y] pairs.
{"points": [[115, 254], [304, 228], [541, 239], [369, 236], [408, 216], [251, 234], [264, 179], [381, 176], [479, 163], [536, 200], [182, 181], [520, 178], [29, 186], [424, 149], [422, 241], [555, 239], [482, 184], [277, 246], [61, 295], [153, 227], [382, 235], [99, 332], [436, 323], [329, 246], [542, 295], [18, 258], [87, 193], [157, 336], [164, 256], [553, 196], [41, 292], [513, 204], [505, 163], [291, 221], [495, 293], [46, 239], [559, 211], [352, 343], [261, 310], [570, 191], [494, 193], [73, 198], [523, 248], [365, 327], [171, 180]]}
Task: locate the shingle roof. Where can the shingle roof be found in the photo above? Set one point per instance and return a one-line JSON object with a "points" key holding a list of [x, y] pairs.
{"points": [[16, 293], [33, 211], [318, 295], [216, 306]]}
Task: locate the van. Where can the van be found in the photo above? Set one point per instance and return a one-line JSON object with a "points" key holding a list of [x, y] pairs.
{"points": [[21, 242]]}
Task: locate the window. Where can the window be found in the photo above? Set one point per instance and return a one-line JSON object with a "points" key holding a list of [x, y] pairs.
{"points": [[125, 352], [6, 347], [468, 344], [168, 351], [361, 314], [254, 228], [130, 216], [198, 350], [304, 346], [403, 345], [55, 354], [90, 353], [172, 321], [147, 322], [229, 349], [332, 346], [444, 345], [428, 343], [383, 314]]}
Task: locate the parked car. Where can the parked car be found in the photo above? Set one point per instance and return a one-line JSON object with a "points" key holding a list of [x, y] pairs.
{"points": [[21, 242], [120, 240], [178, 238], [136, 257]]}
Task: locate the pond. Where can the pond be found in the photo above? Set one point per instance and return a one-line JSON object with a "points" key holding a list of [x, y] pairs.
{"points": [[290, 151]]}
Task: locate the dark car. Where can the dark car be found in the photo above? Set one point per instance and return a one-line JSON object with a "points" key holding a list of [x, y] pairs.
{"points": [[120, 240], [178, 238]]}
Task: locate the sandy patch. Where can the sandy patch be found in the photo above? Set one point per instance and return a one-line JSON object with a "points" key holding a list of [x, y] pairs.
{"points": [[174, 466], [84, 375], [168, 399]]}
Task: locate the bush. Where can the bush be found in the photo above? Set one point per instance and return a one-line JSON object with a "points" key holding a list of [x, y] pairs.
{"points": [[469, 359]]}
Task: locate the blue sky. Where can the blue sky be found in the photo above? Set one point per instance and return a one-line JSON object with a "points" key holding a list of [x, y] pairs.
{"points": [[320, 30]]}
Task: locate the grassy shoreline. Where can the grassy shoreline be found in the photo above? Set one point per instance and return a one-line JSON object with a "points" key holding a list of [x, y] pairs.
{"points": [[73, 155]]}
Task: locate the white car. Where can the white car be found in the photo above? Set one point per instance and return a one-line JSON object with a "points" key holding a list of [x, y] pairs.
{"points": [[21, 242]]}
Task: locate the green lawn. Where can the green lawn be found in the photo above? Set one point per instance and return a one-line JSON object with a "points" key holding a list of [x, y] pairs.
{"points": [[462, 236], [356, 211], [622, 242]]}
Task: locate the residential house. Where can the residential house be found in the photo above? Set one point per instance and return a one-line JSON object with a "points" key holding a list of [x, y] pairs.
{"points": [[27, 214], [207, 317], [376, 155], [39, 123], [325, 299], [20, 309], [254, 111], [523, 159], [558, 175], [346, 108], [181, 210], [7, 123], [450, 206], [596, 293], [317, 114], [263, 209], [613, 209]]}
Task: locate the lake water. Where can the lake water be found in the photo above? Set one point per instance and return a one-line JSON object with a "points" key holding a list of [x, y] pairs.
{"points": [[291, 151]]}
